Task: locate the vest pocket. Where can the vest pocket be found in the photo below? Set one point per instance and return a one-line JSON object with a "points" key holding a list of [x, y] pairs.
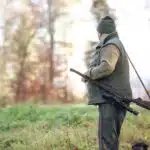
{"points": [[93, 91]]}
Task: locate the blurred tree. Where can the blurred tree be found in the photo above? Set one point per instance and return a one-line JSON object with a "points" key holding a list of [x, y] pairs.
{"points": [[20, 42], [100, 8], [20, 19], [29, 60], [4, 49], [55, 10]]}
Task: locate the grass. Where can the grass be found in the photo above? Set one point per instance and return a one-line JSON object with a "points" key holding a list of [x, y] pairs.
{"points": [[32, 127]]}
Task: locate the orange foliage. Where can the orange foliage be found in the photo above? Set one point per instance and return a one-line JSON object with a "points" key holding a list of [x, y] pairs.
{"points": [[34, 89]]}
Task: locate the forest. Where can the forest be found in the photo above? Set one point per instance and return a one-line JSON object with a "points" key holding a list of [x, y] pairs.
{"points": [[42, 105]]}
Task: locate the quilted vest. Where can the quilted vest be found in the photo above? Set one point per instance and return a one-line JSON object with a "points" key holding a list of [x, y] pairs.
{"points": [[118, 80]]}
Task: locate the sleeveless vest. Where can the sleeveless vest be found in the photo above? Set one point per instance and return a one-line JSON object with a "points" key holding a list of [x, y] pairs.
{"points": [[119, 80]]}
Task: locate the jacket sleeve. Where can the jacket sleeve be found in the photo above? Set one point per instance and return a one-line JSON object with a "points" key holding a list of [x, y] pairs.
{"points": [[108, 59]]}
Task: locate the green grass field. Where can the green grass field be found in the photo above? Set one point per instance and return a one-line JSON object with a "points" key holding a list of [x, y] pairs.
{"points": [[32, 127]]}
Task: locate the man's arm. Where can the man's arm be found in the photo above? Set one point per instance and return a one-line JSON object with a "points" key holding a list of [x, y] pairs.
{"points": [[109, 57]]}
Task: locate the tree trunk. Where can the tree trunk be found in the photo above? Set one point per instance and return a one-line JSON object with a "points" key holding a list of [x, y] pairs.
{"points": [[100, 9], [51, 34]]}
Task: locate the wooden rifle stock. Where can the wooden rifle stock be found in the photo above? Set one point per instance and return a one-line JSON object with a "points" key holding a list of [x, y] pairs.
{"points": [[140, 102]]}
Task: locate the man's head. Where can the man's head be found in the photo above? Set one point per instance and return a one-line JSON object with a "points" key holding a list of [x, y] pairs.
{"points": [[106, 26]]}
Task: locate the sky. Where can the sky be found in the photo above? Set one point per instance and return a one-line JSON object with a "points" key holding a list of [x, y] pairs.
{"points": [[134, 30]]}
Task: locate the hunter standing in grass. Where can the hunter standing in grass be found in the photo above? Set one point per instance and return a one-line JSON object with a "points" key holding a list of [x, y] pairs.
{"points": [[108, 65]]}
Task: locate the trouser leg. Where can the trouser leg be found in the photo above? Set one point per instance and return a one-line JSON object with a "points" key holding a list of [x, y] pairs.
{"points": [[121, 113], [110, 121]]}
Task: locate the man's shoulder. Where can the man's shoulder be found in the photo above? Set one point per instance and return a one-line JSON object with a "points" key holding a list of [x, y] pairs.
{"points": [[109, 49], [114, 44], [114, 40]]}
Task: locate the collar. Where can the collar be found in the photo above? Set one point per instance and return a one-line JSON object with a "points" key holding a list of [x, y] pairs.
{"points": [[108, 37]]}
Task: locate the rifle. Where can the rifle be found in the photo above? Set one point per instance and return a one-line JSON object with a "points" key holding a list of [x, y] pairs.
{"points": [[122, 101]]}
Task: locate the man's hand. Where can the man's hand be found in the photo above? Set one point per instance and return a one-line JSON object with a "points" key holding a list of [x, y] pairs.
{"points": [[87, 73]]}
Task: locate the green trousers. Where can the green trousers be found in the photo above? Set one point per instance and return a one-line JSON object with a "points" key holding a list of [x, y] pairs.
{"points": [[111, 117]]}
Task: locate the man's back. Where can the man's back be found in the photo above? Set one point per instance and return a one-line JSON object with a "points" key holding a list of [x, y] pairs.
{"points": [[118, 79]]}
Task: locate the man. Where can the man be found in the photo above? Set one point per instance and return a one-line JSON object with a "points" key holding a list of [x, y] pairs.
{"points": [[109, 66]]}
